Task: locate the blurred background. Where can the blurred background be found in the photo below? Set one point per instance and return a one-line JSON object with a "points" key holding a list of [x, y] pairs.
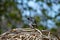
{"points": [[14, 13]]}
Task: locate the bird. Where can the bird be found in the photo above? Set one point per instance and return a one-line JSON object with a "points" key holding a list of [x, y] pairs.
{"points": [[32, 22]]}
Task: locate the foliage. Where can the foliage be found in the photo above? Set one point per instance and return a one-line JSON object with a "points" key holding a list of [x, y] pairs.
{"points": [[9, 9], [53, 30], [41, 27], [13, 26], [0, 31], [39, 0], [25, 26], [58, 24], [49, 4], [13, 15], [37, 18]]}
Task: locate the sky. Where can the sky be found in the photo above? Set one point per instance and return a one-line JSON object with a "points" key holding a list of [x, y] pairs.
{"points": [[38, 6]]}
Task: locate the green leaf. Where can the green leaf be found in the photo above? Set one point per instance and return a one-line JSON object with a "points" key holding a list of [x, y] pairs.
{"points": [[30, 8], [40, 0], [9, 24], [25, 26], [49, 4], [53, 30], [41, 27], [12, 15], [0, 31], [58, 24], [59, 2], [44, 11], [37, 18], [18, 19], [13, 26], [48, 17]]}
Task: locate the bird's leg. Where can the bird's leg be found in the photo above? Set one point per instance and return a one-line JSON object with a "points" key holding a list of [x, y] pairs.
{"points": [[30, 25], [38, 30]]}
